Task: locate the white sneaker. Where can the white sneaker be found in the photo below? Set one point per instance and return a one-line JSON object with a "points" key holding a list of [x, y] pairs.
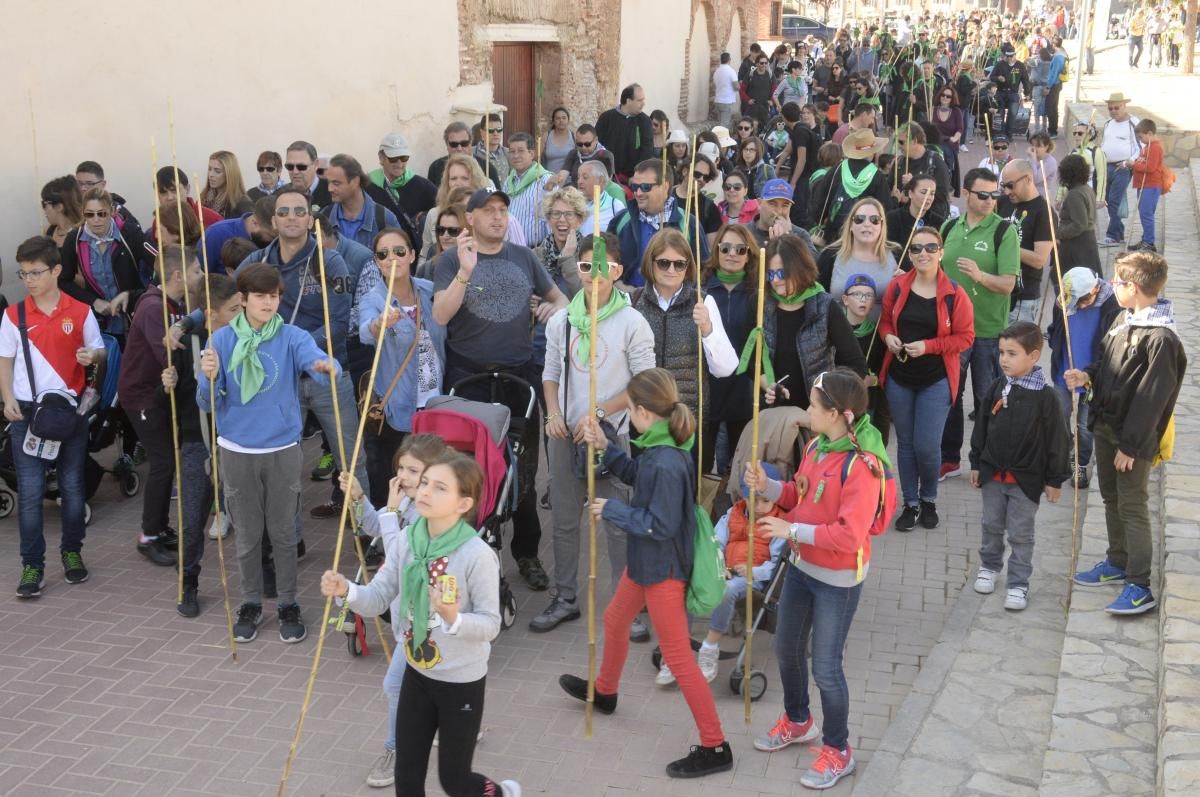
{"points": [[219, 529], [665, 677], [510, 788], [1016, 599], [383, 771], [985, 582], [962, 148], [709, 660]]}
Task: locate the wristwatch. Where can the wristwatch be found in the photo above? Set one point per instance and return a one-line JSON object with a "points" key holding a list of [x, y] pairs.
{"points": [[600, 413]]}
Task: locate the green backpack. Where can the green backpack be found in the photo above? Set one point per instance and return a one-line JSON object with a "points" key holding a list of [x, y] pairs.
{"points": [[706, 585]]}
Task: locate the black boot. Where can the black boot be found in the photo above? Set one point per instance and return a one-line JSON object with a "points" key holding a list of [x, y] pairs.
{"points": [[701, 761], [577, 687], [190, 605]]}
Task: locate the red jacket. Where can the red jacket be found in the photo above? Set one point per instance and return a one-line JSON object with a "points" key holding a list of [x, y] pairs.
{"points": [[1148, 168], [955, 332]]}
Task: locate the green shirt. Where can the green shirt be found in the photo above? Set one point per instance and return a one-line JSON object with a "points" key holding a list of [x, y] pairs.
{"points": [[978, 244]]}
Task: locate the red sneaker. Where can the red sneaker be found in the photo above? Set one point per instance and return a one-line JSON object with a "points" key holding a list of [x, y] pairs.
{"points": [[786, 732], [831, 766], [949, 470]]}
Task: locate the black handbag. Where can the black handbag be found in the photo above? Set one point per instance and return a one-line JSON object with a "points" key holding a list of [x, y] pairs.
{"points": [[54, 415]]}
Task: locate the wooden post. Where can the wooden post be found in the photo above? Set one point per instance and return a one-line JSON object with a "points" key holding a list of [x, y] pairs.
{"points": [[758, 355], [591, 469], [699, 358], [1189, 39]]}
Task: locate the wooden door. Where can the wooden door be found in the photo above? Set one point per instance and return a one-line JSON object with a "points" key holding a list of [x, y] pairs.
{"points": [[512, 78]]}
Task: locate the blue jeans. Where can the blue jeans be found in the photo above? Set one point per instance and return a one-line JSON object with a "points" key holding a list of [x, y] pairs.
{"points": [[392, 682], [1009, 102], [1147, 205], [1114, 198], [919, 416], [968, 127], [1085, 435], [31, 490], [812, 608], [735, 598], [983, 359]]}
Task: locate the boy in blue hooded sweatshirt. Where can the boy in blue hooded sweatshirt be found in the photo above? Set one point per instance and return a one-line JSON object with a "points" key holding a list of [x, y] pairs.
{"points": [[256, 364]]}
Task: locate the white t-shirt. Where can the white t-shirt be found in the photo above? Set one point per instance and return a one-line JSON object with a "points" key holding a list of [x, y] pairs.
{"points": [[1118, 140], [724, 82]]}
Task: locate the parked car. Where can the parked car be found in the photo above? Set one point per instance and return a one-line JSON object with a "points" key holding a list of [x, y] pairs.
{"points": [[796, 27]]}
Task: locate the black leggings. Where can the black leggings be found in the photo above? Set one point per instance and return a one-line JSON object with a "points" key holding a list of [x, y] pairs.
{"points": [[453, 711]]}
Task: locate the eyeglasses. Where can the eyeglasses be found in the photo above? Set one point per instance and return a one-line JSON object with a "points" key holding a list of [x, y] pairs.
{"points": [[585, 266], [89, 185], [25, 276], [917, 249], [733, 187], [860, 218], [397, 159], [775, 275], [1012, 183], [666, 264], [46, 203], [292, 167], [495, 130], [733, 249], [1116, 282], [95, 214], [860, 296], [266, 169], [986, 196], [642, 188], [397, 251], [299, 212], [585, 144], [561, 215], [444, 231], [459, 144], [1115, 107]]}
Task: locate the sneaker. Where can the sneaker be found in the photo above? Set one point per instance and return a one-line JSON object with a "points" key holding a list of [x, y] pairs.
{"points": [[169, 538], [1101, 575], [249, 618], [220, 527], [324, 468], [1016, 599], [985, 581], [190, 605], [949, 470], [534, 574], [74, 571], [831, 766], [1134, 599], [478, 737], [665, 677], [1081, 480], [785, 732], [638, 632], [510, 788], [701, 761], [929, 515], [291, 625], [269, 589], [312, 427], [31, 583], [383, 771], [1111, 242], [576, 687], [908, 519], [324, 511], [709, 660], [558, 612], [962, 148], [158, 553]]}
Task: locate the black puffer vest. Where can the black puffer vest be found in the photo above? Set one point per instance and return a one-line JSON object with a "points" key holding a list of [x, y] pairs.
{"points": [[812, 341], [675, 340]]}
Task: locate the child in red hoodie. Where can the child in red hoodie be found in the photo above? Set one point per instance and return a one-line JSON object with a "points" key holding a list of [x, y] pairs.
{"points": [[839, 495], [1148, 179]]}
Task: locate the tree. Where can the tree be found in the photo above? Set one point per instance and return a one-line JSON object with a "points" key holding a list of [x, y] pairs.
{"points": [[1189, 38]]}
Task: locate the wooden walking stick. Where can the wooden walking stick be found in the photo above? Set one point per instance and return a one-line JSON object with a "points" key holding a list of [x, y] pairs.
{"points": [[166, 311], [349, 467], [687, 209], [987, 128], [699, 360], [599, 265], [187, 299], [37, 172], [896, 159], [751, 505], [212, 437]]}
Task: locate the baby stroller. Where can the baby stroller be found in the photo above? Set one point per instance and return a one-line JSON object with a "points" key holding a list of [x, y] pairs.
{"points": [[104, 425], [783, 432], [490, 434]]}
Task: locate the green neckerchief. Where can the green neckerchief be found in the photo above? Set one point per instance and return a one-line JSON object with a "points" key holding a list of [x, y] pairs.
{"points": [[659, 434], [415, 578], [856, 185], [730, 278], [393, 187], [245, 353], [817, 175], [797, 298], [580, 318], [868, 438], [866, 328], [768, 369], [795, 84], [515, 188]]}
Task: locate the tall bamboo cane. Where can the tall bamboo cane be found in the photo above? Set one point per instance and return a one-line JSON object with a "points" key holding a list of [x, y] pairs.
{"points": [[591, 469], [987, 128], [699, 358], [751, 504], [212, 437], [187, 297], [37, 172], [162, 276], [687, 209], [896, 159], [349, 467]]}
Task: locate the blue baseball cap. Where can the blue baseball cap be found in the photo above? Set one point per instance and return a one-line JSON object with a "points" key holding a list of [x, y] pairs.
{"points": [[776, 189], [769, 469]]}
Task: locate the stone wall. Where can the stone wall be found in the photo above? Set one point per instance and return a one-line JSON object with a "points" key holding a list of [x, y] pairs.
{"points": [[1181, 146]]}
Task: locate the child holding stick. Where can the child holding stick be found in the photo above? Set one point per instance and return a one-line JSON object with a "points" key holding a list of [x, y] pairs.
{"points": [[448, 581]]}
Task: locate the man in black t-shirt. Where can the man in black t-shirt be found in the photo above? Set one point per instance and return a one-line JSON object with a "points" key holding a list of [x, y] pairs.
{"points": [[801, 153], [1027, 211]]}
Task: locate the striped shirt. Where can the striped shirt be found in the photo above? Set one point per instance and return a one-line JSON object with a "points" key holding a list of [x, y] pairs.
{"points": [[526, 208]]}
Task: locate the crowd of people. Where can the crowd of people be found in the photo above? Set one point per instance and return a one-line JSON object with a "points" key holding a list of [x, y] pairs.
{"points": [[259, 305]]}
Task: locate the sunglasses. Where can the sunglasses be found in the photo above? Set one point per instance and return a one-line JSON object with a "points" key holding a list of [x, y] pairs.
{"points": [[775, 275], [495, 130], [95, 214], [860, 218], [1000, 146], [733, 249], [1078, 134], [1011, 184], [745, 128], [585, 144], [397, 159], [585, 266], [397, 251], [642, 188], [266, 169], [919, 248], [733, 186], [459, 144], [700, 177], [443, 231], [666, 264], [299, 212], [986, 195], [291, 167], [1115, 107]]}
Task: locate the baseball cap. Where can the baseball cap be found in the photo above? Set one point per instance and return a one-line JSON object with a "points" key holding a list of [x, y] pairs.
{"points": [[394, 146], [1007, 49], [1078, 283], [778, 188], [999, 137], [481, 197], [768, 468], [710, 151], [859, 279]]}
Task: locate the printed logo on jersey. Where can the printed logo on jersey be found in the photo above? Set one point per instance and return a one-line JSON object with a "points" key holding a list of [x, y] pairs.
{"points": [[68, 326]]}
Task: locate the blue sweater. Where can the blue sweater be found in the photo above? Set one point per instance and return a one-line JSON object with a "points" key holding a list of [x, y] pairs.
{"points": [[216, 236], [272, 419]]}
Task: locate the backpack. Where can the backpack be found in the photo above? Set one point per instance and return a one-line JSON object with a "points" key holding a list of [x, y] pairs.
{"points": [[706, 584], [1168, 178], [997, 237], [887, 490]]}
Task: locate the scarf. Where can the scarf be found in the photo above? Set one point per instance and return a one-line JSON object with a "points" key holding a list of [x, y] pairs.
{"points": [[862, 436], [866, 328], [796, 85], [728, 278], [1156, 315], [514, 187], [245, 353], [657, 220], [550, 250], [659, 434], [579, 317], [854, 186], [415, 576], [1034, 380], [393, 187], [797, 298]]}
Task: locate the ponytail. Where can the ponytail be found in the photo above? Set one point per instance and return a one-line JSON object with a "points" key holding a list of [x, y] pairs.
{"points": [[681, 423], [656, 390]]}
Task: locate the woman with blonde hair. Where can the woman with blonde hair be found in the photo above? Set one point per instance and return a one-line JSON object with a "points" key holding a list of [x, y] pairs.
{"points": [[565, 211], [462, 171], [448, 223], [224, 190], [862, 248]]}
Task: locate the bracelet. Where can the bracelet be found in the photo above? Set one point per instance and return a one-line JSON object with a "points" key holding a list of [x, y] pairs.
{"points": [[551, 417], [458, 278], [393, 509]]}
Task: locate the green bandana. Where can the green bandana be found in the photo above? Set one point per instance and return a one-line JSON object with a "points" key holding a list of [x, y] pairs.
{"points": [[748, 354], [515, 188], [855, 186], [730, 278], [796, 84], [866, 328], [817, 175], [797, 298], [393, 187], [245, 353], [659, 434], [580, 318], [415, 578], [868, 437]]}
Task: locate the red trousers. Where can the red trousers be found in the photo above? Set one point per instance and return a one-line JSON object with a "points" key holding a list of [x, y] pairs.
{"points": [[665, 602]]}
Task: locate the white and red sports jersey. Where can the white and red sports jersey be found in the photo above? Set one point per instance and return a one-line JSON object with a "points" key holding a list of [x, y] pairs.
{"points": [[53, 341]]}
